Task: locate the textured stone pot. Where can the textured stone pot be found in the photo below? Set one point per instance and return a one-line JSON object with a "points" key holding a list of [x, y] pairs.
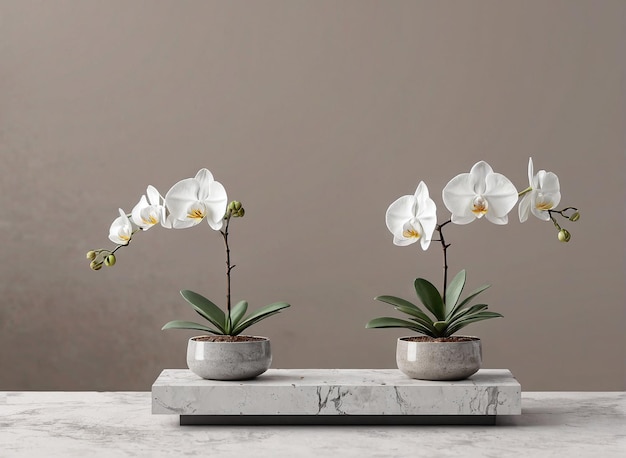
{"points": [[229, 360], [432, 360]]}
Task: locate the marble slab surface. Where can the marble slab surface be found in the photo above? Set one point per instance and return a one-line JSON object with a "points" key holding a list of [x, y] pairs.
{"points": [[110, 425], [336, 392]]}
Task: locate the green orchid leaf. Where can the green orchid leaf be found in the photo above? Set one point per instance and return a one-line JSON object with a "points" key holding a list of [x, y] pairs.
{"points": [[276, 306], [206, 309], [440, 326], [472, 319], [260, 314], [393, 300], [466, 301], [389, 322], [430, 297], [179, 324], [467, 311], [238, 312], [428, 330], [454, 290], [399, 302], [417, 315], [243, 326]]}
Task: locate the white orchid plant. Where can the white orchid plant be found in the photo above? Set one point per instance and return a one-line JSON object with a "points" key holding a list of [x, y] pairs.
{"points": [[468, 197], [186, 204]]}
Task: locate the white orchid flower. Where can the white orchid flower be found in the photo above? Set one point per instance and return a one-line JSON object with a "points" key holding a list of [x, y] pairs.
{"points": [[149, 211], [544, 194], [121, 229], [191, 200], [412, 218], [481, 192]]}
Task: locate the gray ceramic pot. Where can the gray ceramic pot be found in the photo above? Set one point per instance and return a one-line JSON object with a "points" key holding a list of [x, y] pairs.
{"points": [[229, 360], [439, 360]]}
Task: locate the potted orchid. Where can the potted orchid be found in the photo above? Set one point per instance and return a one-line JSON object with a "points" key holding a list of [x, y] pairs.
{"points": [[439, 354], [223, 354]]}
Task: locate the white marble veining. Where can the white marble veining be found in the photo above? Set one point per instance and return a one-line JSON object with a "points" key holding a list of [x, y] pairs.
{"points": [[78, 424], [336, 392]]}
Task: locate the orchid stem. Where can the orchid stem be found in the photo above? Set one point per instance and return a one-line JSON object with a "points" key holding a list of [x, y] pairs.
{"points": [[229, 267], [525, 191], [131, 237], [445, 246], [562, 212], [556, 224]]}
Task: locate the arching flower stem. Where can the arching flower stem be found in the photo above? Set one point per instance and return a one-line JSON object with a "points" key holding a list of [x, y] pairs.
{"points": [[125, 245]]}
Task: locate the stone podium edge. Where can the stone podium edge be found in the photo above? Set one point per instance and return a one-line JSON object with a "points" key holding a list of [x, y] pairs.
{"points": [[317, 396]]}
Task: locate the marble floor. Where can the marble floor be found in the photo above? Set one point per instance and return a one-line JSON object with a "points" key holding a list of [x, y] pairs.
{"points": [[120, 424]]}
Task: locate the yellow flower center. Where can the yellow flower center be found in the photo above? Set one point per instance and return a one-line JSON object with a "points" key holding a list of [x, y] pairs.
{"points": [[196, 213], [411, 234], [151, 220], [125, 237], [479, 206], [544, 206]]}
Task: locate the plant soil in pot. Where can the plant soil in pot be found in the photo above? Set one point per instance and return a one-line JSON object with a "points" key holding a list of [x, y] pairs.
{"points": [[443, 358], [229, 357]]}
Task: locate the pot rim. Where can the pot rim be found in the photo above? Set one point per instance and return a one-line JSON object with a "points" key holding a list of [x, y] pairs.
{"points": [[472, 339], [263, 339]]}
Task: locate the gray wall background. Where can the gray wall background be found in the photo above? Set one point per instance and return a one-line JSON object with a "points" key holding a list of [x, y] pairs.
{"points": [[316, 115]]}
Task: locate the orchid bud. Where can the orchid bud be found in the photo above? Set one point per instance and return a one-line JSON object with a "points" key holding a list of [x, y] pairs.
{"points": [[575, 217], [95, 265], [91, 255], [110, 260], [564, 235], [236, 209]]}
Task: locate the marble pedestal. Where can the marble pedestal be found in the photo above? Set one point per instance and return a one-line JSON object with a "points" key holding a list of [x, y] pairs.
{"points": [[336, 396]]}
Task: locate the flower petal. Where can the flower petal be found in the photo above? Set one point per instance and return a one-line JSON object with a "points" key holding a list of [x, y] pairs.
{"points": [[402, 241], [216, 225], [183, 224], [180, 196], [421, 194], [531, 173], [204, 178], [411, 233], [150, 216], [478, 175], [458, 195], [427, 216], [549, 183], [124, 216], [216, 203], [497, 219], [121, 229], [501, 195], [524, 208], [136, 211], [456, 219], [398, 213], [543, 215], [153, 196], [166, 218]]}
